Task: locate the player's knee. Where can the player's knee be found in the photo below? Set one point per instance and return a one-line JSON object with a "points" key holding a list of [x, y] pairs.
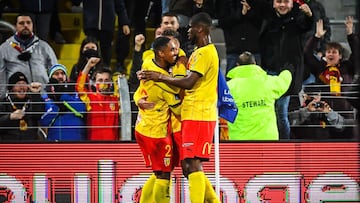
{"points": [[194, 165]]}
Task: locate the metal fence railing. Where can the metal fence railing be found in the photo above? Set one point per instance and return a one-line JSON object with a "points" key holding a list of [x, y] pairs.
{"points": [[341, 103]]}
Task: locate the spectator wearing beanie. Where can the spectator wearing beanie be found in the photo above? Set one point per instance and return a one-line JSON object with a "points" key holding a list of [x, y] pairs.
{"points": [[64, 109], [21, 109]]}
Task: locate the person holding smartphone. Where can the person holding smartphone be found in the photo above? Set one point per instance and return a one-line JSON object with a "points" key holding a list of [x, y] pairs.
{"points": [[315, 119]]}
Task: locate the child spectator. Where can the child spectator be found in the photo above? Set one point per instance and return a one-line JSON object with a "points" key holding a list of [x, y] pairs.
{"points": [[103, 107], [333, 70]]}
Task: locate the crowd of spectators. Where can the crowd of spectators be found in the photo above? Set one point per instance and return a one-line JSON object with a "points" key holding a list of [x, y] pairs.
{"points": [[42, 100]]}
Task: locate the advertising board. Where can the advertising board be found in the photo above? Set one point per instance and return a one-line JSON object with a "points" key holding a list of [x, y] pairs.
{"points": [[272, 172]]}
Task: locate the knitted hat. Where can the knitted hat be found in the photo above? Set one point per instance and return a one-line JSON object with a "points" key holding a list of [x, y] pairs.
{"points": [[57, 67], [16, 77]]}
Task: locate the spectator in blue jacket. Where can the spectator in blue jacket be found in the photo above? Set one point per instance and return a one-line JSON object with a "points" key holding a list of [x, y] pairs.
{"points": [[64, 109]]}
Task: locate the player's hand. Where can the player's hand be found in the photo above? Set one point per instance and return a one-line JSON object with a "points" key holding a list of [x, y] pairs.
{"points": [[144, 104], [17, 115], [35, 87], [182, 59], [306, 9], [320, 32], [151, 75]]}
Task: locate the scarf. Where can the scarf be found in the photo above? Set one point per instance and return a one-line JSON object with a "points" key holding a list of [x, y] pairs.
{"points": [[332, 77]]}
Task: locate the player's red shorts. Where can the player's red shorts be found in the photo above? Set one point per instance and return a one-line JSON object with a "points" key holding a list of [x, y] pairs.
{"points": [[197, 139], [157, 152], [177, 140]]}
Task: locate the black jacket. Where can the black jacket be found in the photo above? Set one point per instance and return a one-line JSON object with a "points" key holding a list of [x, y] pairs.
{"points": [[319, 12], [240, 33], [10, 130], [38, 6], [104, 18], [282, 40], [188, 8]]}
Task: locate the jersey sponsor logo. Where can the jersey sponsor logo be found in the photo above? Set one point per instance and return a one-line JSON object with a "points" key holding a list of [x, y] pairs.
{"points": [[188, 144], [206, 148]]}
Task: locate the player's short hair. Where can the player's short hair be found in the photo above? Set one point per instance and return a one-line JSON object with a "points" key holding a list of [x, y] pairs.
{"points": [[160, 43], [201, 18]]}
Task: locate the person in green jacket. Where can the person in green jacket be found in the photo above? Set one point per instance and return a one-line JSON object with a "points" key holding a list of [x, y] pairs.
{"points": [[255, 93]]}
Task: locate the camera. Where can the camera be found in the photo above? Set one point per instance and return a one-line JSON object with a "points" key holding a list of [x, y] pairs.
{"points": [[318, 105]]}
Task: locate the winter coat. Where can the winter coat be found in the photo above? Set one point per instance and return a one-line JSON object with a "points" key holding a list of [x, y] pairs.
{"points": [[281, 40], [10, 129], [38, 6], [255, 93], [239, 32], [64, 118], [101, 14], [35, 69], [317, 125]]}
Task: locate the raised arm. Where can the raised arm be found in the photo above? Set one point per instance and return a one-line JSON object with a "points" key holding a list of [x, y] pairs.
{"points": [[315, 64], [353, 41], [80, 85], [136, 61]]}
